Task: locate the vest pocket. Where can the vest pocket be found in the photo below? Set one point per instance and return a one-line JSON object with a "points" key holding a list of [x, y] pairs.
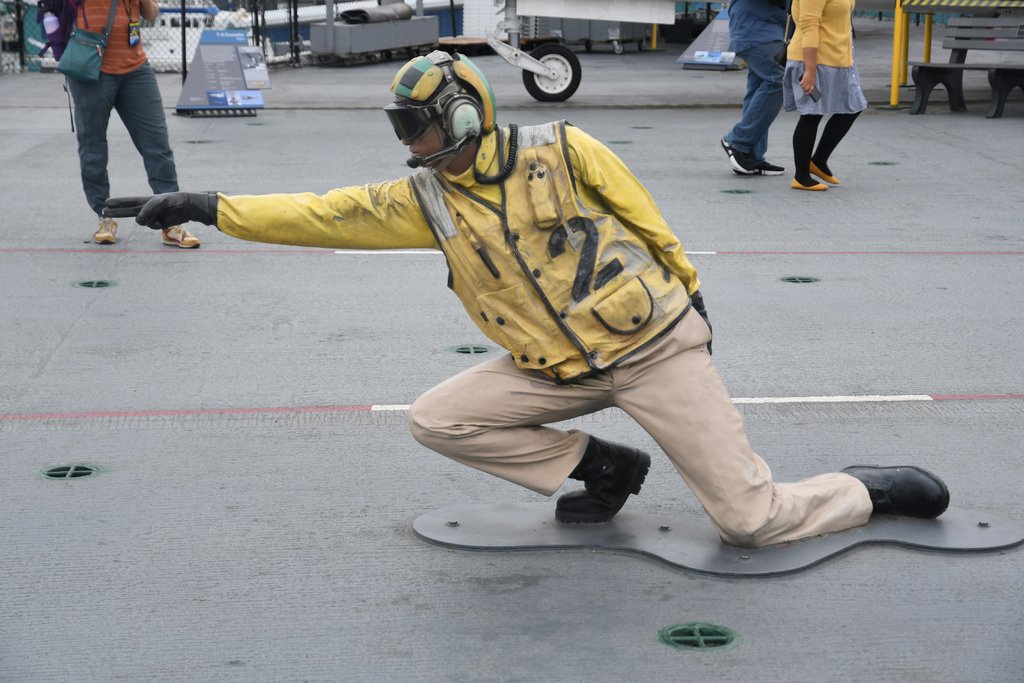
{"points": [[529, 335], [628, 309], [540, 188]]}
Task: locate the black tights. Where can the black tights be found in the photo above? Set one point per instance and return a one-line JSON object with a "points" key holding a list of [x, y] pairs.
{"points": [[803, 143]]}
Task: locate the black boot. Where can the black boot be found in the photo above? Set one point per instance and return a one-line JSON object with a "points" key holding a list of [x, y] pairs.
{"points": [[610, 473], [907, 491]]}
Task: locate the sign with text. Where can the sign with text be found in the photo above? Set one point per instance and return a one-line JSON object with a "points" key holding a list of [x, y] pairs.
{"points": [[225, 74], [713, 47]]}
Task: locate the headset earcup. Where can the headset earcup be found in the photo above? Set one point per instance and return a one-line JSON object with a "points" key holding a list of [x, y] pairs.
{"points": [[464, 118]]}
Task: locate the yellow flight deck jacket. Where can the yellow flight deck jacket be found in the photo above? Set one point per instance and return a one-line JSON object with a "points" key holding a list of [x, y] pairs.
{"points": [[567, 263]]}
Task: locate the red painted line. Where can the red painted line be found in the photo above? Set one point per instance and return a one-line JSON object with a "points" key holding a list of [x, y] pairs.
{"points": [[977, 397], [329, 251], [179, 413], [358, 408], [164, 250]]}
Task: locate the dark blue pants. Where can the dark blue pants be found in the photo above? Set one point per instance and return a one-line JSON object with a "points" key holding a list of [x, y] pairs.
{"points": [[136, 98], [762, 102]]}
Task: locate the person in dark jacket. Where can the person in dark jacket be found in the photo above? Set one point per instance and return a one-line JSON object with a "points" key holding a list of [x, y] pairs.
{"points": [[757, 29]]}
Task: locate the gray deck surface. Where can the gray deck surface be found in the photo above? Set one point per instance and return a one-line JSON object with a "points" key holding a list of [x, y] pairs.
{"points": [[224, 542]]}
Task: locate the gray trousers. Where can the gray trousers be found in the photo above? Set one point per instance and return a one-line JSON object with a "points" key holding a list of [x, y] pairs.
{"points": [[136, 98], [493, 417]]}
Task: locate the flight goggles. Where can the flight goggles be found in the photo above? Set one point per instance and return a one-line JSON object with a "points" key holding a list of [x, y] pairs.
{"points": [[410, 122]]}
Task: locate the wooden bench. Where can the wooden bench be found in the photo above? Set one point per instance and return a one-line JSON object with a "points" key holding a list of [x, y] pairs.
{"points": [[974, 33]]}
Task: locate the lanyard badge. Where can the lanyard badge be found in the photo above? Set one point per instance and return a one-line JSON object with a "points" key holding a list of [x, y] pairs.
{"points": [[134, 36]]}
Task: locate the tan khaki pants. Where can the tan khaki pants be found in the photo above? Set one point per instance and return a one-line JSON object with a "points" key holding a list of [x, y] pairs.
{"points": [[493, 416]]}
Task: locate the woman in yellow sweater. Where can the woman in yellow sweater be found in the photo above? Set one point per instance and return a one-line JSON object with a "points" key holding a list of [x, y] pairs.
{"points": [[821, 79]]}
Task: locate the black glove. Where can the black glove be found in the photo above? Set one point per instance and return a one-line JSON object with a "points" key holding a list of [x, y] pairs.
{"points": [[698, 305], [164, 210]]}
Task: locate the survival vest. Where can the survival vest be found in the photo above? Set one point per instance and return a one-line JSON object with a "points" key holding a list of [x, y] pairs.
{"points": [[566, 289]]}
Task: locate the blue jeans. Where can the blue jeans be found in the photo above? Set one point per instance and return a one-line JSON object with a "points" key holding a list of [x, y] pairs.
{"points": [[763, 100], [136, 98]]}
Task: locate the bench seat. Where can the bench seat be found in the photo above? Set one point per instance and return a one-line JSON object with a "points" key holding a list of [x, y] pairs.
{"points": [[1002, 79], [1001, 34]]}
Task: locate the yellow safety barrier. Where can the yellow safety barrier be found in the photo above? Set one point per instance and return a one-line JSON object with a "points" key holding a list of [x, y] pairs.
{"points": [[928, 38], [897, 50], [958, 4], [901, 31]]}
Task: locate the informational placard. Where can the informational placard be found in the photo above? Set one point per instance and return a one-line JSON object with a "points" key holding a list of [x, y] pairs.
{"points": [[713, 47], [254, 68], [226, 75]]}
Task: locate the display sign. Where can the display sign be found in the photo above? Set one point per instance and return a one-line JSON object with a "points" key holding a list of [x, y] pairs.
{"points": [[713, 47], [225, 76], [254, 68]]}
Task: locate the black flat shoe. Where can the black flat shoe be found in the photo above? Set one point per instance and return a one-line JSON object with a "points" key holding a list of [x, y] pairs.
{"points": [[905, 490]]}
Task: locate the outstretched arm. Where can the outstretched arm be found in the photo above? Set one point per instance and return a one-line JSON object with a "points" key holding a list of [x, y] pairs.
{"points": [[376, 216]]}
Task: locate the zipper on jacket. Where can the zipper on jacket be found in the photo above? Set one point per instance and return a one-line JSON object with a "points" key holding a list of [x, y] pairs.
{"points": [[474, 242], [570, 335], [488, 262]]}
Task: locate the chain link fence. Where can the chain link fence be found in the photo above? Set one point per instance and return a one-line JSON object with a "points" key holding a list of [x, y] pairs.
{"points": [[279, 27], [12, 36]]}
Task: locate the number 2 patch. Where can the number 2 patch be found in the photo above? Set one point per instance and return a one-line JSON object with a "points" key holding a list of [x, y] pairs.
{"points": [[588, 255]]}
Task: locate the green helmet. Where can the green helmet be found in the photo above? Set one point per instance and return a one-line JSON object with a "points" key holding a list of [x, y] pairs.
{"points": [[446, 89]]}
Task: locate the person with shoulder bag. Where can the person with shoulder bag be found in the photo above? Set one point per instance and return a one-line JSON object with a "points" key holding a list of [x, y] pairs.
{"points": [[125, 82], [757, 29]]}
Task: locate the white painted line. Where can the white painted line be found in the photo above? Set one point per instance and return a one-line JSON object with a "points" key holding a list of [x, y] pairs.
{"points": [[384, 252], [702, 253], [200, 412], [896, 398], [836, 399]]}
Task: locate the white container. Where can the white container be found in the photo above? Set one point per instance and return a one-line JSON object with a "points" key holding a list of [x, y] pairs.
{"points": [[51, 24]]}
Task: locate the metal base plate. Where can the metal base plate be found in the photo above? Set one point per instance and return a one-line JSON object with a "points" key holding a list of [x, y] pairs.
{"points": [[694, 545]]}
